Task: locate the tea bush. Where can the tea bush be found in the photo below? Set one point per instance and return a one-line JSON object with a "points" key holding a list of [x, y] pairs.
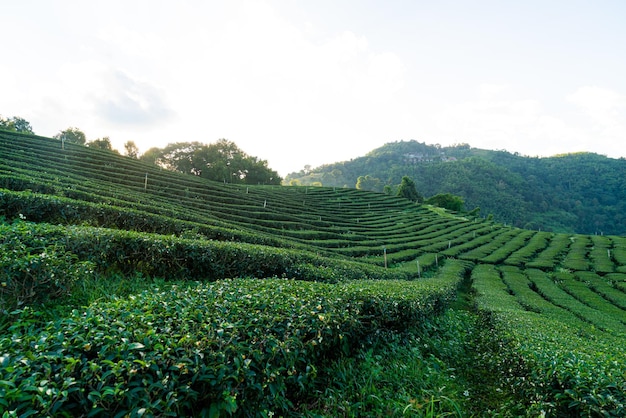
{"points": [[244, 347], [567, 367], [190, 259], [35, 271]]}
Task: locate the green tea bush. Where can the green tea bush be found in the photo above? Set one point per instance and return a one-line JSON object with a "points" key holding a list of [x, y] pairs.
{"points": [[551, 256], [600, 254], [537, 243], [60, 210], [171, 257], [577, 256], [603, 286], [565, 369], [34, 272], [244, 347]]}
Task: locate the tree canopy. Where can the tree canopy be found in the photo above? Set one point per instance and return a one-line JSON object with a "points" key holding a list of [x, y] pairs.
{"points": [[72, 135], [447, 201], [131, 149], [220, 161], [582, 192], [16, 124], [101, 143], [367, 182], [408, 190]]}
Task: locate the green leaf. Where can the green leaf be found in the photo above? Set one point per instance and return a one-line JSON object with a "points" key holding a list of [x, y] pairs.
{"points": [[136, 346]]}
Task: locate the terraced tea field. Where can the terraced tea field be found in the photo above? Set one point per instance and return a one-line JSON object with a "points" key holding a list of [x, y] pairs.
{"points": [[263, 286]]}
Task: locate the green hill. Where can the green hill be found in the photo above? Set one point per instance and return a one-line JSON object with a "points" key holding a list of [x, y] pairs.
{"points": [[127, 290], [582, 193]]}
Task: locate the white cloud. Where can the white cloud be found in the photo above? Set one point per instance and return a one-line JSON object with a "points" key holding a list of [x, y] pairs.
{"points": [[130, 102], [606, 109], [293, 90], [504, 117], [273, 87]]}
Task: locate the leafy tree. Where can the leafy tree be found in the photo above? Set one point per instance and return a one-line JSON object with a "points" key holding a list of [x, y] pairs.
{"points": [[368, 183], [257, 172], [102, 143], [16, 124], [221, 161], [446, 201], [72, 135], [132, 150], [22, 125], [6, 125], [408, 190], [152, 155]]}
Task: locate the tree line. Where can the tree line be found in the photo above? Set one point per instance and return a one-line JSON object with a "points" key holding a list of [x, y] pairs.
{"points": [[69, 135], [220, 161]]}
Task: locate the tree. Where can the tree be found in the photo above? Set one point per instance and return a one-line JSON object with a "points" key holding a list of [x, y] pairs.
{"points": [[408, 190], [5, 124], [132, 150], [72, 136], [102, 143], [221, 161], [22, 125], [446, 201], [16, 124], [256, 171], [152, 155], [368, 183]]}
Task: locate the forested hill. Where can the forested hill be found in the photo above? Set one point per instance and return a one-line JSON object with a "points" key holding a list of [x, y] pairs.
{"points": [[581, 192]]}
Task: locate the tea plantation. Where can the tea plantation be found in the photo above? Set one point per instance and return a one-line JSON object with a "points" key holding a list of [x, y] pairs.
{"points": [[128, 290]]}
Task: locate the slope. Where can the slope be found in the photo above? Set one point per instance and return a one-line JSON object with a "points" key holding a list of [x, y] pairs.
{"points": [[582, 192], [366, 265]]}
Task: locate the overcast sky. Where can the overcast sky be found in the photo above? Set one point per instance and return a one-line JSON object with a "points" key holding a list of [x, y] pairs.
{"points": [[299, 82]]}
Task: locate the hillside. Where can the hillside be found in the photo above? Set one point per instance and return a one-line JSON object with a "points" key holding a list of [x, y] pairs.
{"points": [[127, 290], [582, 193]]}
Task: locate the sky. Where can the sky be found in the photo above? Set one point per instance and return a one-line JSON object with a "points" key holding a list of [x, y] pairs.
{"points": [[312, 82]]}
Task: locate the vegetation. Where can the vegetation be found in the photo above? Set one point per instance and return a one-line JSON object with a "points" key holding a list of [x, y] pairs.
{"points": [[221, 161], [128, 290], [72, 136], [575, 193], [407, 190], [447, 201], [15, 124], [101, 143]]}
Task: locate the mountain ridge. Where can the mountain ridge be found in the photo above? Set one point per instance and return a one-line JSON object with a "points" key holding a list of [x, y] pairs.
{"points": [[579, 192]]}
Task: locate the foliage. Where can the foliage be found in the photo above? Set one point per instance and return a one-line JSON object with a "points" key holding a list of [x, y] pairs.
{"points": [[131, 149], [348, 337], [16, 124], [222, 161], [583, 193], [568, 370], [72, 136], [368, 183], [408, 191], [234, 346], [446, 201], [34, 271], [396, 374], [181, 258], [101, 143]]}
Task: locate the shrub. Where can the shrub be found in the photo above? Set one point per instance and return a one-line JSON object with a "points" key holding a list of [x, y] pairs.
{"points": [[243, 347], [34, 274]]}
